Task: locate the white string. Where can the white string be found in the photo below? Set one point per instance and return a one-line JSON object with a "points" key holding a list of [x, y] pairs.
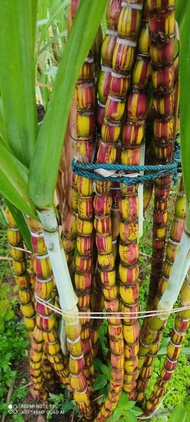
{"points": [[116, 315]]}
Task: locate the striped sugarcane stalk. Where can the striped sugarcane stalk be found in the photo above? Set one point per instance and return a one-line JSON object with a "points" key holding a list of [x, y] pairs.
{"points": [[85, 144], [78, 238], [68, 301], [49, 375], [85, 103], [163, 128], [97, 305], [161, 27], [132, 139], [45, 337], [149, 337], [110, 111], [22, 277], [173, 350]]}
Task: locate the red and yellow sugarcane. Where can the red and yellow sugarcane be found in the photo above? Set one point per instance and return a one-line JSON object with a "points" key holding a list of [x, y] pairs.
{"points": [[149, 336], [45, 337], [132, 139], [110, 112], [161, 27], [85, 144], [81, 200], [22, 277], [181, 325], [85, 103]]}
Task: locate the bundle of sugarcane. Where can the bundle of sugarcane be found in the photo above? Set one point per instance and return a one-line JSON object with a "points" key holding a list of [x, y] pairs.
{"points": [[161, 28], [45, 337], [151, 333], [22, 277]]}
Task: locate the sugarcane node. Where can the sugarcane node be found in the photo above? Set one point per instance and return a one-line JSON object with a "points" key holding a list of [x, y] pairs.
{"points": [[160, 37], [132, 376], [130, 306], [117, 375], [128, 386], [83, 292], [112, 305], [110, 292], [162, 20]]}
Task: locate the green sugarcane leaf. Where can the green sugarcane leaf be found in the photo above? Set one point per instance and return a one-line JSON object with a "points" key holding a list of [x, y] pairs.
{"points": [[21, 223], [185, 104], [179, 11], [17, 75], [45, 163], [179, 414], [13, 182], [3, 134]]}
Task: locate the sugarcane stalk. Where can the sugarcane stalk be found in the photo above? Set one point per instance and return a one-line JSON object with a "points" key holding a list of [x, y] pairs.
{"points": [[112, 88], [45, 337], [22, 277], [85, 144], [161, 28], [68, 301], [151, 333], [132, 139], [181, 325]]}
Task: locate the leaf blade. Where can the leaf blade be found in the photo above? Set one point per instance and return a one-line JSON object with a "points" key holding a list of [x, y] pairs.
{"points": [[13, 182], [47, 156], [17, 75]]}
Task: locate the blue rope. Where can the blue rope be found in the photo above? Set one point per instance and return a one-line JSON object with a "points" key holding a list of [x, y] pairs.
{"points": [[87, 170], [156, 171]]}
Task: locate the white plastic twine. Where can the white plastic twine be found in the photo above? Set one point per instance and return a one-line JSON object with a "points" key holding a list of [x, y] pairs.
{"points": [[116, 315]]}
